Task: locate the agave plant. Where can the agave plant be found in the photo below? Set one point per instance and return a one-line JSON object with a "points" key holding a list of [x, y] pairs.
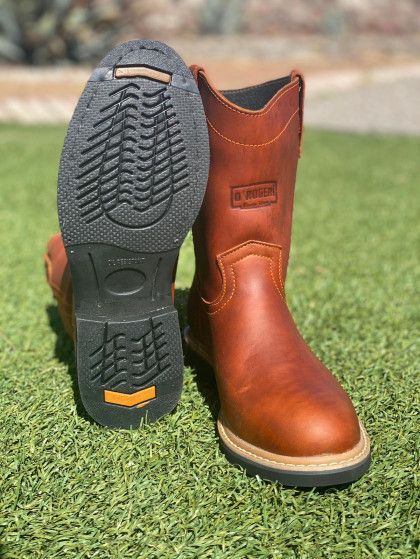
{"points": [[47, 31]]}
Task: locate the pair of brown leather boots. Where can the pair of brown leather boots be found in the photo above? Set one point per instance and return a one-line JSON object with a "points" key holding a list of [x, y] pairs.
{"points": [[143, 138]]}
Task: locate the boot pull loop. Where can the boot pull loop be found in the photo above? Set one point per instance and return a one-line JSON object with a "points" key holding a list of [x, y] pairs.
{"points": [[196, 70], [299, 75]]}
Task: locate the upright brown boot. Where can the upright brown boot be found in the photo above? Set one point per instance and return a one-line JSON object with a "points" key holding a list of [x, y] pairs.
{"points": [[283, 414]]}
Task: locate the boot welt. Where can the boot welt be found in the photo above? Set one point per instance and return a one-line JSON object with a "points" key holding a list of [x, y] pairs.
{"points": [[297, 471]]}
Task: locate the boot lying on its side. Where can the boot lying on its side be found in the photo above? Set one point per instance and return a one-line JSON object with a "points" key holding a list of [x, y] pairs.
{"points": [[133, 172]]}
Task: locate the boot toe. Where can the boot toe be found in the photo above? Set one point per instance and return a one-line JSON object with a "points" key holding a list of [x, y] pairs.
{"points": [[323, 428], [331, 431]]}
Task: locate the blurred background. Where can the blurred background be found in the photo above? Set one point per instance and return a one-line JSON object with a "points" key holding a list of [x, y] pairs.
{"points": [[361, 57]]}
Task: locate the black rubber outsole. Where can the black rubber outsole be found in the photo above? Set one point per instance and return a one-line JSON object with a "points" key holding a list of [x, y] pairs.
{"points": [[321, 478], [133, 173]]}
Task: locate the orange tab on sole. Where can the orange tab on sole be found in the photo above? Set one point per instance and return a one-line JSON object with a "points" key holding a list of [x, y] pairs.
{"points": [[138, 398]]}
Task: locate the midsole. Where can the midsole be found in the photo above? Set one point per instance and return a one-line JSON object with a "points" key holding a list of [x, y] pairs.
{"points": [[325, 462]]}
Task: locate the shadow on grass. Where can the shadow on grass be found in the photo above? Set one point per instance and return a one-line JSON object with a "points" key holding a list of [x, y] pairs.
{"points": [[64, 352], [203, 374]]}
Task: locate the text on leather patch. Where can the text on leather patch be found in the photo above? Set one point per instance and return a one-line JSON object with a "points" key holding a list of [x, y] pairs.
{"points": [[254, 195]]}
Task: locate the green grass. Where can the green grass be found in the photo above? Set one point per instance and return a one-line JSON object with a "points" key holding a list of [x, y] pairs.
{"points": [[71, 489]]}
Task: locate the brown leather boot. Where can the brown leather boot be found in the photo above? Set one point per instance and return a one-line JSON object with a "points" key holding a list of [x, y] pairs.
{"points": [[59, 279], [283, 414]]}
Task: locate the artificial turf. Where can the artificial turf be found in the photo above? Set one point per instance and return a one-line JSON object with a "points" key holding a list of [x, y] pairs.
{"points": [[72, 489]]}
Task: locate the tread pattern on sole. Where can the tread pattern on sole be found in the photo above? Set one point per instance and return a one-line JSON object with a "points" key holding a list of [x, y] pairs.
{"points": [[124, 356], [106, 179], [129, 363], [128, 177], [135, 161], [132, 177], [163, 166]]}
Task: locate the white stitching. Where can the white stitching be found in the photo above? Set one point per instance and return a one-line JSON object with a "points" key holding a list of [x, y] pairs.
{"points": [[220, 299], [253, 145]]}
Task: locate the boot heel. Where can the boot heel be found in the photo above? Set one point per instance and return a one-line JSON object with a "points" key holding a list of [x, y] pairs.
{"points": [[129, 370]]}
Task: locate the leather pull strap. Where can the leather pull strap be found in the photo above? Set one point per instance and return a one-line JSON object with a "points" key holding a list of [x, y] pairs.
{"points": [[299, 75], [195, 70]]}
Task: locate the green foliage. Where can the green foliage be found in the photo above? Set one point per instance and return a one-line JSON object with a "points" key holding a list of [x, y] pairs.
{"points": [[46, 31], [71, 489]]}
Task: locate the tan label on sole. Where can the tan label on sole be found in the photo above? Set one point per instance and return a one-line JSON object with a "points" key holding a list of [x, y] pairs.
{"points": [[141, 72]]}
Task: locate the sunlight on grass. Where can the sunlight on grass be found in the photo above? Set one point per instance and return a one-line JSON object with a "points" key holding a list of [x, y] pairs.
{"points": [[69, 488]]}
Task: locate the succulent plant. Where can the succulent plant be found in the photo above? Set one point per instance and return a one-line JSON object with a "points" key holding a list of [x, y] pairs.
{"points": [[47, 31]]}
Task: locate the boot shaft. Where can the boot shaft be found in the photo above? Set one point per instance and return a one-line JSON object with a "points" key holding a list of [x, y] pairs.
{"points": [[255, 138]]}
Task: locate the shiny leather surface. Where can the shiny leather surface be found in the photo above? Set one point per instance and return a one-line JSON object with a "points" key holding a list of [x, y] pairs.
{"points": [[59, 279], [274, 392]]}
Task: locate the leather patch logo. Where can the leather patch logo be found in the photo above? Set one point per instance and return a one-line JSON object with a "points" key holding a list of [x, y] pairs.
{"points": [[254, 195]]}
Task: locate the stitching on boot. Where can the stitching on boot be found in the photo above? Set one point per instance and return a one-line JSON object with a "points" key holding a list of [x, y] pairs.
{"points": [[220, 259], [219, 298], [221, 265], [253, 145], [230, 297], [234, 279]]}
